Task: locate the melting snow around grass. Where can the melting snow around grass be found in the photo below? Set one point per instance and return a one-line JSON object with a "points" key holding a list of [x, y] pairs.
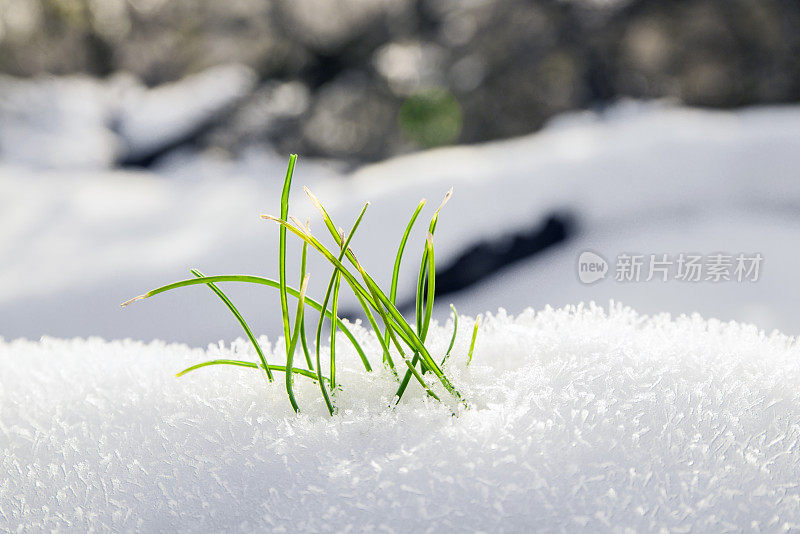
{"points": [[581, 420]]}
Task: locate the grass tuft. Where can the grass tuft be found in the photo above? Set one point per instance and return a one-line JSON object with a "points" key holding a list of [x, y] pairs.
{"points": [[397, 333]]}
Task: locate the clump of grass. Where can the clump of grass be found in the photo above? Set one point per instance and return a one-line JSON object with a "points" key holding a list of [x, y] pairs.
{"points": [[408, 342]]}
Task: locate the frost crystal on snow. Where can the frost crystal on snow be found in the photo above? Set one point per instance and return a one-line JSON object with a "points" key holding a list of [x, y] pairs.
{"points": [[581, 420]]}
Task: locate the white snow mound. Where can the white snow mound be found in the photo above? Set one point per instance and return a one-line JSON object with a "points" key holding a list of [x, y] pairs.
{"points": [[581, 420]]}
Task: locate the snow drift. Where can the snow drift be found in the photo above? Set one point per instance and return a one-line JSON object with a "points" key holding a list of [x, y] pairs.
{"points": [[581, 420]]}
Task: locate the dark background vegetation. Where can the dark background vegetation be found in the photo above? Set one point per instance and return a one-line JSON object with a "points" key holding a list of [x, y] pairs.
{"points": [[360, 80]]}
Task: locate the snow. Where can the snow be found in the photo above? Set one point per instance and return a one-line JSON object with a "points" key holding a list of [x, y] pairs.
{"points": [[650, 178], [552, 278], [55, 122], [79, 122], [149, 119], [581, 420]]}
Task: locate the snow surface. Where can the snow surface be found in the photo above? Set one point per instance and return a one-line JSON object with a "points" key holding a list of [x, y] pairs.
{"points": [[581, 421]]}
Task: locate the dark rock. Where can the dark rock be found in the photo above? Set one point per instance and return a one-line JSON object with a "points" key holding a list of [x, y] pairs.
{"points": [[485, 259]]}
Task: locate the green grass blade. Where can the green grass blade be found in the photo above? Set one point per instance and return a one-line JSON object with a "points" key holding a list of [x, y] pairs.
{"points": [[431, 286], [318, 344], [474, 336], [401, 249], [387, 358], [290, 348], [418, 314], [303, 341], [287, 184], [452, 339], [435, 218], [304, 345], [393, 291], [427, 272], [250, 279], [239, 363], [334, 309], [420, 298], [241, 320]]}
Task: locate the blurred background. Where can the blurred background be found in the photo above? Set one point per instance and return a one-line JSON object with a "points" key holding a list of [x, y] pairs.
{"points": [[141, 138]]}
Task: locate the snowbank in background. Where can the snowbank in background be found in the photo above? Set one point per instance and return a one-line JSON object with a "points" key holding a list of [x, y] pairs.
{"points": [[149, 120], [552, 277], [56, 122], [581, 421], [85, 123], [643, 178]]}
